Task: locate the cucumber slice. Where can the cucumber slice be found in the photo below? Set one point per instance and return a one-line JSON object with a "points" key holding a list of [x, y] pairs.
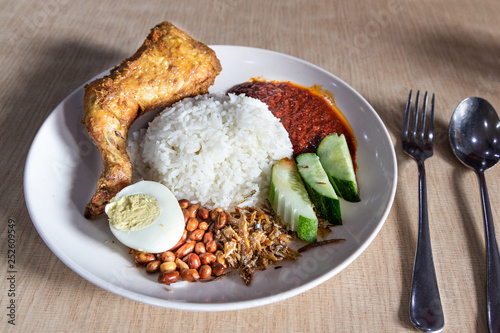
{"points": [[336, 159], [318, 186], [290, 201]]}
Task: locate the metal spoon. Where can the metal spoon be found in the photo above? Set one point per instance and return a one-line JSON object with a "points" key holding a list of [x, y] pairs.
{"points": [[474, 134]]}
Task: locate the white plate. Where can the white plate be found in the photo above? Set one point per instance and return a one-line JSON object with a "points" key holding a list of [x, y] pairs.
{"points": [[63, 166]]}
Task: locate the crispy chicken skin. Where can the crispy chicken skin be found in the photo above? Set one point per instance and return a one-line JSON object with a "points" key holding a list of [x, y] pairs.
{"points": [[169, 66]]}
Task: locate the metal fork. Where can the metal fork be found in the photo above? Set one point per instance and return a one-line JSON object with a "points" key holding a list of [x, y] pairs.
{"points": [[426, 312]]}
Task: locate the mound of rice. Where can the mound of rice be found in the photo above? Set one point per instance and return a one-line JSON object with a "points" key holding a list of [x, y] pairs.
{"points": [[214, 149]]}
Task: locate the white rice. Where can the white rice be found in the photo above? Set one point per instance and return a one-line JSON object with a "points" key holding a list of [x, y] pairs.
{"points": [[213, 149]]}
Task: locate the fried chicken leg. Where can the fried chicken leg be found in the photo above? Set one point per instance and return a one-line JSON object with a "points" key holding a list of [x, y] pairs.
{"points": [[169, 66]]}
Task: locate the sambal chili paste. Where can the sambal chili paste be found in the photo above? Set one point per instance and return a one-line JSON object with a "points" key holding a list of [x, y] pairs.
{"points": [[308, 114]]}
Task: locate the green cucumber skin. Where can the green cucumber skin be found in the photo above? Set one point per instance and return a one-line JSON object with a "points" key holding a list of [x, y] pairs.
{"points": [[347, 187], [327, 208], [307, 227], [323, 196]]}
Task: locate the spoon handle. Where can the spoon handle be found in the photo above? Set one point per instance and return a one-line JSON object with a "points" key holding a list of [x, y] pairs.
{"points": [[492, 260], [426, 312]]}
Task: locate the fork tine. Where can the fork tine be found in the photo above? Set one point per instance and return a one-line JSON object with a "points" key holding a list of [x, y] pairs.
{"points": [[430, 133], [406, 120], [413, 132], [422, 118]]}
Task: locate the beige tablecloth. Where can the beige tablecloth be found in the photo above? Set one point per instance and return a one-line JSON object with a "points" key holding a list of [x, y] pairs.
{"points": [[381, 48]]}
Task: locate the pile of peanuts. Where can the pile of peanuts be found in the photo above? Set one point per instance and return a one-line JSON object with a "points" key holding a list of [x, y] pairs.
{"points": [[195, 256]]}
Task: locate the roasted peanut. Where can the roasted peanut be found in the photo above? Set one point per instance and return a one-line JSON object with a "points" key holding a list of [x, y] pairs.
{"points": [[203, 213], [214, 212], [205, 271], [167, 256], [203, 226], [197, 235], [181, 265], [185, 212], [193, 210], [192, 224], [168, 266], [209, 236], [181, 241], [168, 277], [220, 221], [184, 203], [190, 275], [185, 249], [192, 260], [199, 248], [211, 246], [143, 257], [218, 269], [207, 258], [153, 266]]}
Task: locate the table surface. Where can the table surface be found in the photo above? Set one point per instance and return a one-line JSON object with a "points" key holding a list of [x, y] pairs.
{"points": [[381, 48]]}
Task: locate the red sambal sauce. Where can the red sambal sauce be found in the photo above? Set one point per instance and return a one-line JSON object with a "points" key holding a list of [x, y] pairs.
{"points": [[308, 114]]}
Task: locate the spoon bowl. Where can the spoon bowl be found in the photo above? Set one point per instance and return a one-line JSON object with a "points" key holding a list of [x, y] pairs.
{"points": [[474, 134]]}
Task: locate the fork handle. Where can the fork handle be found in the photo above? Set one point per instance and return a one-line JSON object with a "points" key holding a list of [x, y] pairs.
{"points": [[426, 312], [492, 260]]}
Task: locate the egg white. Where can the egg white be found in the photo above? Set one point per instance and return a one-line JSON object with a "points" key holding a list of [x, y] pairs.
{"points": [[165, 232]]}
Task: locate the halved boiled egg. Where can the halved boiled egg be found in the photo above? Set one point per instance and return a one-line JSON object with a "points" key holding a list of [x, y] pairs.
{"points": [[146, 216]]}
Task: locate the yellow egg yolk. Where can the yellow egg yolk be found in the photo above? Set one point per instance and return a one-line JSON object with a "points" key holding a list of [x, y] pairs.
{"points": [[133, 212]]}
